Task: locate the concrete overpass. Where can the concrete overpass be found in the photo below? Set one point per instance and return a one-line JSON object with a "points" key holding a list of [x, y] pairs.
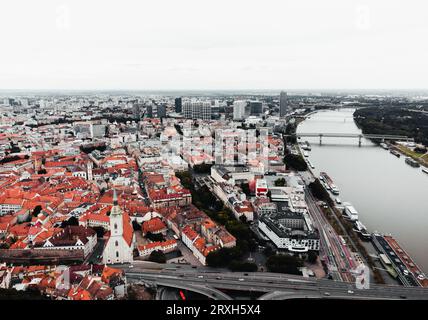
{"points": [[273, 285], [358, 136], [209, 292]]}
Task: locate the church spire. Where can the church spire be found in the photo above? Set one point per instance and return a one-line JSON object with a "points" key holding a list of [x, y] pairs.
{"points": [[116, 210], [115, 202]]}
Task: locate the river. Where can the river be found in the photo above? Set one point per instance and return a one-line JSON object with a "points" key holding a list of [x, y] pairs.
{"points": [[390, 196]]}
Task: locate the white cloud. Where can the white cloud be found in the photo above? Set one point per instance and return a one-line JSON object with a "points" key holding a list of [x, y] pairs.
{"points": [[194, 44]]}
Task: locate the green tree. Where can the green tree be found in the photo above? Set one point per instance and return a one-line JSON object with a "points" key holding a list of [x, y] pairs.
{"points": [[246, 189], [312, 257], [157, 256], [280, 182], [319, 191], [223, 257], [295, 162], [136, 226], [202, 168], [155, 237], [282, 263], [37, 209]]}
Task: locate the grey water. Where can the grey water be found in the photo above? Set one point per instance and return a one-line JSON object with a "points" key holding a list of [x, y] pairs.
{"points": [[390, 196]]}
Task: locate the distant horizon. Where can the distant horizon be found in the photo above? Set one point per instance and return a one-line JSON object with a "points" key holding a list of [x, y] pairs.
{"points": [[219, 91]]}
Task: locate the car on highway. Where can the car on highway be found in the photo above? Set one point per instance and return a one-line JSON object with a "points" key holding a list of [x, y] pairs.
{"points": [[327, 294], [350, 292], [200, 277], [218, 278], [131, 266], [240, 279], [405, 272]]}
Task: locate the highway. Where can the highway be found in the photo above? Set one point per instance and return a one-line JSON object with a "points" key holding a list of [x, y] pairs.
{"points": [[275, 286]]}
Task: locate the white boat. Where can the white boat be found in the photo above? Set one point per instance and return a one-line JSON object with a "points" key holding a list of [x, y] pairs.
{"points": [[413, 163], [305, 153], [350, 212], [362, 230], [338, 201], [384, 145], [329, 183], [425, 170], [334, 189]]}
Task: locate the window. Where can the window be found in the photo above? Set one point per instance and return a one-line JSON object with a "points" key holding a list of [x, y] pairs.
{"points": [[116, 243], [115, 226], [117, 254]]}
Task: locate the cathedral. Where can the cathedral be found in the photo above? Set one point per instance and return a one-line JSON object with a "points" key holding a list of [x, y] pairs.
{"points": [[120, 245]]}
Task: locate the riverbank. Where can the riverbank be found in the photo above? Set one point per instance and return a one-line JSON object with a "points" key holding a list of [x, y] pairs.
{"points": [[394, 121], [388, 194], [421, 158]]}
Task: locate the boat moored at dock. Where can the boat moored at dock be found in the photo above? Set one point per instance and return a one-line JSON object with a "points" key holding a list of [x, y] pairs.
{"points": [[413, 163], [395, 153], [408, 273], [350, 212], [329, 183], [362, 230]]}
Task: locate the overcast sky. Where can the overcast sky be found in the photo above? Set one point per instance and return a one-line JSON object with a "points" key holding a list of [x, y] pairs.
{"points": [[221, 44]]}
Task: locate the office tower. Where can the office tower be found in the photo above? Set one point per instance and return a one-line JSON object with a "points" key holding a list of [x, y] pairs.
{"points": [[187, 109], [197, 110], [161, 111], [178, 105], [149, 111], [239, 110], [136, 111], [205, 111], [283, 104], [256, 108]]}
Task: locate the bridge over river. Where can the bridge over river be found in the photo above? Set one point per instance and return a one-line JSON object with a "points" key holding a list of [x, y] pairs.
{"points": [[358, 136]]}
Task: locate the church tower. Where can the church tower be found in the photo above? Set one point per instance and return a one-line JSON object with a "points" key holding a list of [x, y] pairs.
{"points": [[116, 218], [89, 170], [119, 247]]}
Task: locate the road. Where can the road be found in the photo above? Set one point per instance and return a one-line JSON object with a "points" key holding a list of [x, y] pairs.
{"points": [[333, 252], [336, 255], [285, 286], [95, 256]]}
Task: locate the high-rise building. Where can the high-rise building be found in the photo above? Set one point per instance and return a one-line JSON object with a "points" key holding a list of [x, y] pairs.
{"points": [[161, 111], [187, 109], [239, 110], [149, 111], [136, 110], [256, 107], [205, 111], [283, 104], [178, 105], [197, 110]]}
